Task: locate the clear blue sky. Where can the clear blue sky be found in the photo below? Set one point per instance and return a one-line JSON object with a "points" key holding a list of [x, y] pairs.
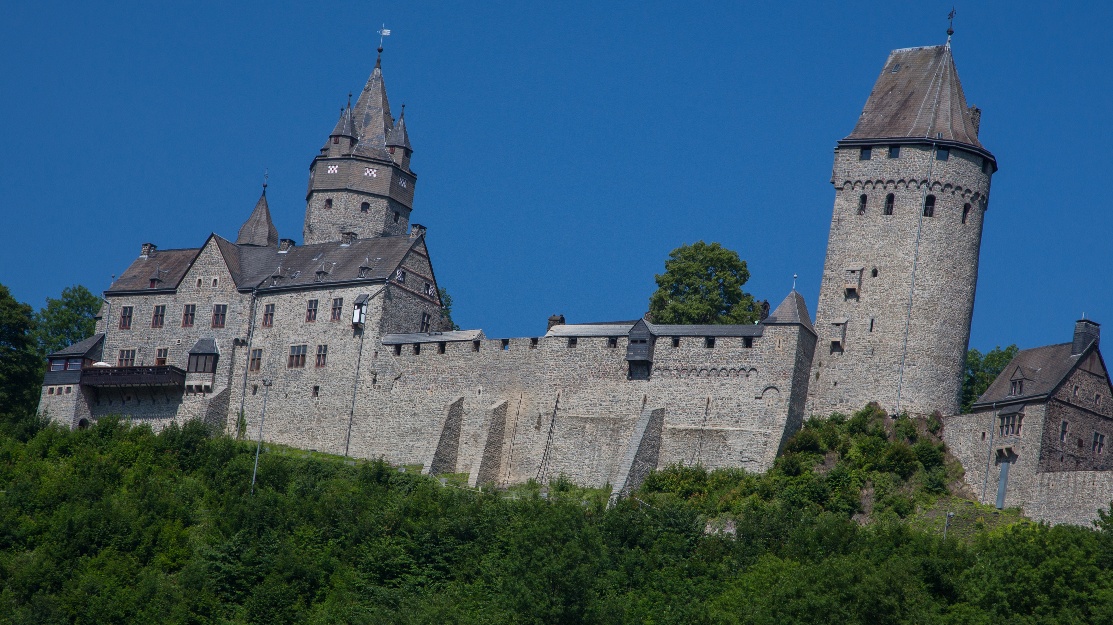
{"points": [[563, 149]]}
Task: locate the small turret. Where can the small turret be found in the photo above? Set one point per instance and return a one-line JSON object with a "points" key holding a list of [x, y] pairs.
{"points": [[259, 230], [398, 142], [342, 139]]}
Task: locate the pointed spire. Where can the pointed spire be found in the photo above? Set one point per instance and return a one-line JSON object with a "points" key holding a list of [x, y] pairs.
{"points": [[259, 230], [344, 126], [791, 310], [398, 137], [371, 116]]}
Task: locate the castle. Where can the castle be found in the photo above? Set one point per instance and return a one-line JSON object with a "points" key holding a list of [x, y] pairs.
{"points": [[339, 344]]}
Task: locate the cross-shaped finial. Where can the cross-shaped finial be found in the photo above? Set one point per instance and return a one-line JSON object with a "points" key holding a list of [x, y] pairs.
{"points": [[383, 32], [951, 23]]}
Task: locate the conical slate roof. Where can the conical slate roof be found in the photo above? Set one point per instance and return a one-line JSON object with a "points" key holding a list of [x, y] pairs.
{"points": [[344, 127], [398, 137], [259, 230], [371, 116], [918, 94], [791, 310]]}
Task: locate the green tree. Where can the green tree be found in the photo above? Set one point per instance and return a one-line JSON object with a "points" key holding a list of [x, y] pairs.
{"points": [[446, 307], [981, 370], [66, 320], [20, 366], [703, 283]]}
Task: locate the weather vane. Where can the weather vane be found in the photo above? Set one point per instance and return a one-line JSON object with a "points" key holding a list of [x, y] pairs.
{"points": [[793, 282], [383, 32], [951, 23], [266, 176]]}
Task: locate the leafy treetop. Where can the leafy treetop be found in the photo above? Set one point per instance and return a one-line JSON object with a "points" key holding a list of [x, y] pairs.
{"points": [[703, 283], [981, 370], [66, 320]]}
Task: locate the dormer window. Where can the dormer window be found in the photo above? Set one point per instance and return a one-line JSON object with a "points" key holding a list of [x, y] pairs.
{"points": [[335, 140], [1016, 387]]}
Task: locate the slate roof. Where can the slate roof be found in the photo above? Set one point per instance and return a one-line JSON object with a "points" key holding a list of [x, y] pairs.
{"points": [[344, 127], [171, 265], [267, 268], [204, 346], [79, 348], [371, 116], [918, 94], [1043, 368], [258, 230], [398, 137], [791, 310], [590, 329], [433, 337]]}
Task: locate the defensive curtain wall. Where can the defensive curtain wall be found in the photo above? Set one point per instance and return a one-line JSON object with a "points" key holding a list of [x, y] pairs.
{"points": [[508, 410]]}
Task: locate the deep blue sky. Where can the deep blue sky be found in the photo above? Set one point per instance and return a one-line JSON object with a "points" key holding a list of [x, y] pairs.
{"points": [[563, 149]]}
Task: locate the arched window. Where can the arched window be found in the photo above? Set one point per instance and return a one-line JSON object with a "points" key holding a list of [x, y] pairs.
{"points": [[889, 199], [965, 212], [874, 272], [929, 206], [862, 204]]}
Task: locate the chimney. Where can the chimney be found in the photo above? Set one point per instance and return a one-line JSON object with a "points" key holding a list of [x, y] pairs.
{"points": [[417, 230], [285, 245], [347, 238], [976, 118], [555, 320], [148, 250], [1085, 332]]}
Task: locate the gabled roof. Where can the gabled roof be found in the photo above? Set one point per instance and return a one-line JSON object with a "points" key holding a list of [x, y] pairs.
{"points": [[171, 265], [791, 310], [918, 95], [79, 348], [259, 230], [371, 116], [1043, 370], [267, 268]]}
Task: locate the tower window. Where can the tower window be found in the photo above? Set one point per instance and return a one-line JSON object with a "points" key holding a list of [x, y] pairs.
{"points": [[965, 212], [709, 342], [572, 341], [395, 216], [426, 321], [987, 166], [612, 341], [364, 207], [929, 206], [1099, 443], [943, 154], [894, 151], [862, 204], [889, 200], [1063, 432], [676, 341], [328, 202], [747, 341], [316, 391], [440, 347], [335, 140], [865, 154], [874, 272], [871, 324]]}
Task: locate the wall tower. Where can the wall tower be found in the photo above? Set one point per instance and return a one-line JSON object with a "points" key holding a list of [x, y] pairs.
{"points": [[361, 181], [911, 190]]}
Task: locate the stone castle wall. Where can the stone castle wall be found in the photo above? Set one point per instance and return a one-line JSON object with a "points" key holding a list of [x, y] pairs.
{"points": [[885, 249]]}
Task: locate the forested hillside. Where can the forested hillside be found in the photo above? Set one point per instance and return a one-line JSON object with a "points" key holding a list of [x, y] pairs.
{"points": [[116, 525]]}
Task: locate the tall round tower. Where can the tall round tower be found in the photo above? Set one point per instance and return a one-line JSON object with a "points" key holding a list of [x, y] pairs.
{"points": [[897, 295]]}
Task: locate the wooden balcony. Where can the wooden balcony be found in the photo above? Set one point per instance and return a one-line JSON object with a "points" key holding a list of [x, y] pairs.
{"points": [[161, 376]]}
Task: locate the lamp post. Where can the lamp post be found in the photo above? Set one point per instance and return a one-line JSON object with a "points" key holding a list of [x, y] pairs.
{"points": [[258, 446]]}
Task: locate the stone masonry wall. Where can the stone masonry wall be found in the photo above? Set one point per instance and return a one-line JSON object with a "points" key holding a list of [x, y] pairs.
{"points": [[944, 251]]}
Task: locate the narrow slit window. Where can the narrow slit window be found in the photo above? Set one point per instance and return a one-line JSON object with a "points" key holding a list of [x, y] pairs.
{"points": [[862, 199], [965, 212], [1063, 432], [889, 201], [929, 206]]}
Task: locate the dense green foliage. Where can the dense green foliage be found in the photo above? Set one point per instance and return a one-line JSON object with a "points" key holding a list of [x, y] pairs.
{"points": [[446, 307], [65, 320], [21, 368], [703, 283], [982, 370], [114, 524]]}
